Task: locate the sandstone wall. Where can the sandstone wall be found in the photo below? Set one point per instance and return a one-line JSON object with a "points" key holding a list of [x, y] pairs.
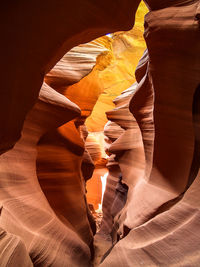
{"points": [[159, 224], [151, 205], [36, 35]]}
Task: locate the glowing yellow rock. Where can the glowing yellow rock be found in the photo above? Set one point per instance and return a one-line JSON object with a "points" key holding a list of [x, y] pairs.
{"points": [[126, 48]]}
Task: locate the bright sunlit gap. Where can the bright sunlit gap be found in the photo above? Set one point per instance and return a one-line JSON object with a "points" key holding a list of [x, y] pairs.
{"points": [[103, 182]]}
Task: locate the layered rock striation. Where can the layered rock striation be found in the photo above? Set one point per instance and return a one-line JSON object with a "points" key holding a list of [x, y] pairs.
{"points": [[63, 163], [51, 161], [26, 212], [151, 204], [159, 224], [36, 35]]}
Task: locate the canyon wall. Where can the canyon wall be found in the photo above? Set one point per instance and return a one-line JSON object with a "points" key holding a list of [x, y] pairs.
{"points": [[50, 159], [158, 225], [125, 49], [36, 35], [151, 204], [25, 211]]}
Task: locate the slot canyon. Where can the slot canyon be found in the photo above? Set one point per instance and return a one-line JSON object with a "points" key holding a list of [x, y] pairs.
{"points": [[100, 133]]}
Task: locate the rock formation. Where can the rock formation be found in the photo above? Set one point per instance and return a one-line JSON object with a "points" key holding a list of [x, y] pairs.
{"points": [[25, 210], [35, 36], [124, 52], [13, 251], [58, 152], [63, 161], [75, 65], [125, 145], [159, 224], [151, 204]]}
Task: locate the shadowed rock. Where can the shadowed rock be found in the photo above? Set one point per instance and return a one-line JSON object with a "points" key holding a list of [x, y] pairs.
{"points": [[26, 212], [161, 217], [35, 36]]}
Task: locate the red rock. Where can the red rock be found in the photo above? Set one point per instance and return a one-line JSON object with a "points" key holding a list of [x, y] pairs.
{"points": [[35, 36], [25, 210], [153, 139], [159, 223], [13, 251]]}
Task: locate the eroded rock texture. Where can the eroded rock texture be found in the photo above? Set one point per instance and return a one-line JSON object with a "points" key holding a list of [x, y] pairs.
{"points": [[151, 205], [13, 250], [25, 210], [159, 224], [35, 36], [112, 131], [123, 148], [62, 167], [63, 164], [75, 64], [124, 51]]}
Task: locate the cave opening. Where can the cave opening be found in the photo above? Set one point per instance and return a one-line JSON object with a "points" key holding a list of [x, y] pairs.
{"points": [[96, 185], [116, 74], [73, 158]]}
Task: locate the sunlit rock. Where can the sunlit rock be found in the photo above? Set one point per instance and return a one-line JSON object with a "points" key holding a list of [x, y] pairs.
{"points": [[125, 50], [160, 218], [36, 35], [151, 203], [63, 163]]}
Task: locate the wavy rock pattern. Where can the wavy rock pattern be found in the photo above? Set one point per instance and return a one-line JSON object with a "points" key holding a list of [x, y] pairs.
{"points": [[124, 148], [159, 224], [60, 170], [151, 205], [124, 51], [63, 164], [112, 131], [25, 210], [13, 251], [36, 36], [75, 64]]}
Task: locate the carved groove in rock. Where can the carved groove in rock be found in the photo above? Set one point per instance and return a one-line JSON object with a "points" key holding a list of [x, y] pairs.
{"points": [[151, 204]]}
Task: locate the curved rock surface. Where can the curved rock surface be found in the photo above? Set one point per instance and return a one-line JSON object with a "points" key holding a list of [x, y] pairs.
{"points": [[75, 64], [39, 32], [63, 163], [151, 204], [124, 51], [25, 210], [13, 251], [124, 148], [112, 131], [159, 224], [62, 168]]}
